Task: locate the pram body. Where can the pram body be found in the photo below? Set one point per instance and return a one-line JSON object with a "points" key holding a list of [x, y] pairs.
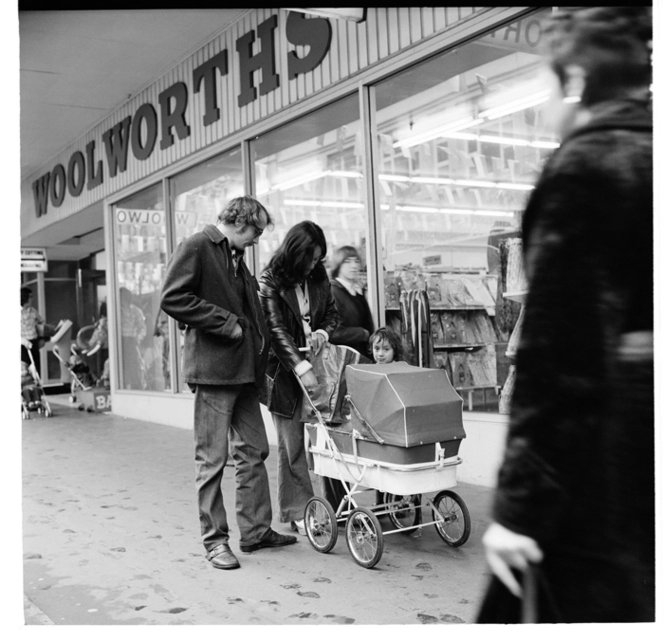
{"points": [[402, 438]]}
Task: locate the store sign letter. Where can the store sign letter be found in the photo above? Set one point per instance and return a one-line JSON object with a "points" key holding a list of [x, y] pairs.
{"points": [[265, 61], [207, 75], [173, 118], [256, 54], [315, 33]]}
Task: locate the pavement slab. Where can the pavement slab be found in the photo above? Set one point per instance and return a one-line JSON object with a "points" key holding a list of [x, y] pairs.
{"points": [[110, 537]]}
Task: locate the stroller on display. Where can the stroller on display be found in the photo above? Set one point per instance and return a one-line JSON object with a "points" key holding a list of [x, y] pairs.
{"points": [[82, 376], [33, 397], [398, 431]]}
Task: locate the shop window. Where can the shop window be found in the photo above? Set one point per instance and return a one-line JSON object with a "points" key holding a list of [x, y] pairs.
{"points": [[311, 169], [140, 254], [198, 195], [461, 141]]}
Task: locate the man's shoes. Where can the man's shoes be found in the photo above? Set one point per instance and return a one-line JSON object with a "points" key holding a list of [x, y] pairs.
{"points": [[222, 558], [271, 540], [298, 526]]}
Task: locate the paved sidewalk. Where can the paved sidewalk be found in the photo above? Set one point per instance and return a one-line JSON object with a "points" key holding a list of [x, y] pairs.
{"points": [[110, 536]]}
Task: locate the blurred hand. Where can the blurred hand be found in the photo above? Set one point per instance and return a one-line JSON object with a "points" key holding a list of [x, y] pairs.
{"points": [[26, 343], [505, 549], [237, 331], [309, 380], [317, 342]]}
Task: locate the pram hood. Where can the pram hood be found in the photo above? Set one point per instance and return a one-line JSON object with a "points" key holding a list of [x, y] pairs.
{"points": [[405, 405]]}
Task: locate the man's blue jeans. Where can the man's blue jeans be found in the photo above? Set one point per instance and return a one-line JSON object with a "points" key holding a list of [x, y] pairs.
{"points": [[220, 410]]}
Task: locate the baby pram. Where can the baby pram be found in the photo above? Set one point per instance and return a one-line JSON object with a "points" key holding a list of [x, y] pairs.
{"points": [[402, 438], [38, 402]]}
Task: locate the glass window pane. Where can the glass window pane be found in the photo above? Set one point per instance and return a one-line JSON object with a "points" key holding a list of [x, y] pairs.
{"points": [[311, 169], [198, 195], [140, 236], [461, 142]]}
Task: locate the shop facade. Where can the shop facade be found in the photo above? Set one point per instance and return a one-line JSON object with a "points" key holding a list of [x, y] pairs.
{"points": [[414, 135]]}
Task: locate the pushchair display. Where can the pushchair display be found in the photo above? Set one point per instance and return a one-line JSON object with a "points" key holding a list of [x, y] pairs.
{"points": [[82, 376], [33, 397], [401, 437]]}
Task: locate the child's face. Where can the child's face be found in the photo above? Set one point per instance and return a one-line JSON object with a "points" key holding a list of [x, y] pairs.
{"points": [[382, 351]]}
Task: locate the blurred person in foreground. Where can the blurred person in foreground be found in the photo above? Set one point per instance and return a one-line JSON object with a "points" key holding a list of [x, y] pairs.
{"points": [[209, 289], [575, 493]]}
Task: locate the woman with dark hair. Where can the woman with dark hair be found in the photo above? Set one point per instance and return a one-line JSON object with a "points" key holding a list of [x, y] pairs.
{"points": [[301, 314], [356, 323], [574, 501]]}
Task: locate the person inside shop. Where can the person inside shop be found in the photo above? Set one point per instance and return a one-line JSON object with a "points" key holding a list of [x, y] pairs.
{"points": [[355, 319], [574, 505], [301, 313], [208, 288], [32, 326], [133, 329]]}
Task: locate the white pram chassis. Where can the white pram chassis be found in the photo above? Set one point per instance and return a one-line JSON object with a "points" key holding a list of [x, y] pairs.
{"points": [[404, 489]]}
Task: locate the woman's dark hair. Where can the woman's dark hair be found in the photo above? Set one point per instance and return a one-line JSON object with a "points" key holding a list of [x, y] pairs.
{"points": [[26, 292], [243, 211], [613, 45], [341, 255], [296, 251], [394, 340]]}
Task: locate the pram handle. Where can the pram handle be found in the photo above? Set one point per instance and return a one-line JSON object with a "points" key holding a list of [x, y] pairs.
{"points": [[306, 395]]}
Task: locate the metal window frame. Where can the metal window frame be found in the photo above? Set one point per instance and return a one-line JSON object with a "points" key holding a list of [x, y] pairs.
{"points": [[363, 83]]}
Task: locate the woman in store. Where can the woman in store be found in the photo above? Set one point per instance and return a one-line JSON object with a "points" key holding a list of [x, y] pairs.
{"points": [[356, 323], [355, 327], [575, 495], [301, 314]]}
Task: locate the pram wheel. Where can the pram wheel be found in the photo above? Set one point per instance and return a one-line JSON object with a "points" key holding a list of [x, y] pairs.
{"points": [[320, 523], [364, 537], [48, 412], [454, 529], [405, 511]]}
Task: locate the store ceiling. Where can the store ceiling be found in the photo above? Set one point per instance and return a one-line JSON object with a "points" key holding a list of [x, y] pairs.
{"points": [[77, 67]]}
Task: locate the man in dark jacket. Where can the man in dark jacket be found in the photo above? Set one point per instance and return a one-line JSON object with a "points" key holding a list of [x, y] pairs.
{"points": [[209, 289]]}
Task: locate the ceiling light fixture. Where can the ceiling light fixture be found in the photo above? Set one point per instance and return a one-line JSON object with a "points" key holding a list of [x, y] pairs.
{"points": [[438, 132], [516, 105]]}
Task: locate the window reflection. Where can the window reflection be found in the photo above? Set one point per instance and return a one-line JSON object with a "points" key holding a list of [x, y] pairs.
{"points": [[140, 237], [200, 193], [197, 197], [312, 170], [461, 141]]}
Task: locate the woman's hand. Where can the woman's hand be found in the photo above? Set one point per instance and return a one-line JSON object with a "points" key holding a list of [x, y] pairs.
{"points": [[505, 549], [317, 342], [309, 380]]}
